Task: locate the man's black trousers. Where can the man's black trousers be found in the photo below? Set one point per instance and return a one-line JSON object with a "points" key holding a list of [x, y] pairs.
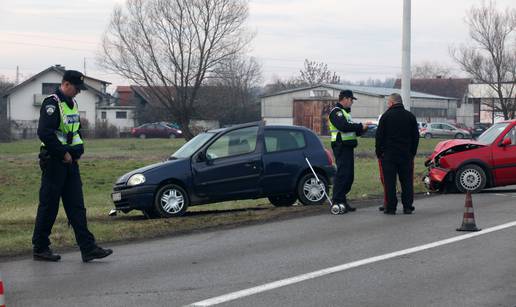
{"points": [[61, 181], [404, 169], [344, 157]]}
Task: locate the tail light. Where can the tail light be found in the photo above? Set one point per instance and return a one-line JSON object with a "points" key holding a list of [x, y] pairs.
{"points": [[329, 155], [422, 129]]}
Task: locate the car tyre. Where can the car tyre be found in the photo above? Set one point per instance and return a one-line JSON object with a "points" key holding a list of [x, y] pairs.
{"points": [[428, 136], [171, 200], [309, 192], [283, 200], [171, 136], [470, 178], [142, 136], [459, 136]]}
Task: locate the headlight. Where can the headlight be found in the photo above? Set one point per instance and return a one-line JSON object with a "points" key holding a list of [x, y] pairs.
{"points": [[179, 131], [136, 180]]}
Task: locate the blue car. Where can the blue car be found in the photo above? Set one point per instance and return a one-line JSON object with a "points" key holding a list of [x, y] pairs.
{"points": [[247, 161]]}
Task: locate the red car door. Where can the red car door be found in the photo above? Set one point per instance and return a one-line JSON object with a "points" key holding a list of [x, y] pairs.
{"points": [[504, 159]]}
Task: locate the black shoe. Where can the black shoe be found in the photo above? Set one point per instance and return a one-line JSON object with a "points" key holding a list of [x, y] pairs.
{"points": [[349, 208], [381, 208], [96, 253], [46, 255], [408, 210], [389, 212]]}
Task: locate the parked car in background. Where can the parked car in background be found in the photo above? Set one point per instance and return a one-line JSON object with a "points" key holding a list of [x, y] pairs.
{"points": [[469, 165], [241, 162], [443, 130], [478, 129], [156, 130]]}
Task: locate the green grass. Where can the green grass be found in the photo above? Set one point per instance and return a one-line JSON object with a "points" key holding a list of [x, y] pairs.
{"points": [[106, 160]]}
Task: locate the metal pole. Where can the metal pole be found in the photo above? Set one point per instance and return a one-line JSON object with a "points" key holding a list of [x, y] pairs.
{"points": [[405, 59]]}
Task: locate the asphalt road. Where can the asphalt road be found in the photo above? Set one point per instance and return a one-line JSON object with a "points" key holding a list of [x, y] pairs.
{"points": [[359, 259]]}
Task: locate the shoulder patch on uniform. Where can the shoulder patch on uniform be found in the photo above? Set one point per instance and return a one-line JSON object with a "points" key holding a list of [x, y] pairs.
{"points": [[50, 109], [339, 114]]}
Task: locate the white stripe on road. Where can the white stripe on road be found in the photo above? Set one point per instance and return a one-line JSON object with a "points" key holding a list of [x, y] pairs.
{"points": [[296, 279]]}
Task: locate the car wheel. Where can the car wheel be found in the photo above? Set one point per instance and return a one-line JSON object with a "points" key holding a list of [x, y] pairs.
{"points": [[172, 136], [470, 178], [171, 200], [459, 136], [310, 192], [283, 200], [142, 136], [428, 136]]}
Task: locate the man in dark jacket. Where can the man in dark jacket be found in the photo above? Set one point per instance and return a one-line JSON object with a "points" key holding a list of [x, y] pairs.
{"points": [[397, 139], [344, 134], [61, 149]]}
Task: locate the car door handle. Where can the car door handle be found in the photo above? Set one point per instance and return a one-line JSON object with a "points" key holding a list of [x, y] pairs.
{"points": [[250, 164]]}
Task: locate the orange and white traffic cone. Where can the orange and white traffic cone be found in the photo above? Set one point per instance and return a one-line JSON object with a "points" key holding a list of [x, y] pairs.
{"points": [[2, 300], [468, 221]]}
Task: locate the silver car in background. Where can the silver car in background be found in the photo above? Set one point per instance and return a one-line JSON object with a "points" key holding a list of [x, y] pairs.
{"points": [[443, 130]]}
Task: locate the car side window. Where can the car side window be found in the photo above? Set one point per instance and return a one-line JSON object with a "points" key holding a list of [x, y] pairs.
{"points": [[512, 135], [436, 126], [281, 139], [233, 143]]}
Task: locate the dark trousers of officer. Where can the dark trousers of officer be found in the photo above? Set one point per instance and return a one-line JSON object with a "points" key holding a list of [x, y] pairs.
{"points": [[344, 157], [404, 169], [60, 180]]}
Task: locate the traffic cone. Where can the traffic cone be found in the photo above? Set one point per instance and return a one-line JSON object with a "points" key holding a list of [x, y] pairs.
{"points": [[2, 300], [468, 221]]}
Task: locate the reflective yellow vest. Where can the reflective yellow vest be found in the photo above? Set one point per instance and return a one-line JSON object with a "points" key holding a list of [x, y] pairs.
{"points": [[344, 136], [70, 122]]}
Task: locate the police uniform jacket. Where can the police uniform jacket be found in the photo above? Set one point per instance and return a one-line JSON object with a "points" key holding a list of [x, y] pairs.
{"points": [[49, 121], [340, 122]]}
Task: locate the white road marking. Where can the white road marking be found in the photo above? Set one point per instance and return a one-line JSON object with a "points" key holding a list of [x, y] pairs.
{"points": [[339, 268]]}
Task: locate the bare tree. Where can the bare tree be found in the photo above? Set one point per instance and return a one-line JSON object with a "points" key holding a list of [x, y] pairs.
{"points": [[232, 94], [430, 70], [315, 73], [172, 46], [491, 59], [5, 85], [279, 84]]}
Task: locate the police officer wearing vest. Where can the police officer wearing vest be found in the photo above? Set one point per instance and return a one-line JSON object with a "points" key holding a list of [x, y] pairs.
{"points": [[344, 134], [61, 148]]}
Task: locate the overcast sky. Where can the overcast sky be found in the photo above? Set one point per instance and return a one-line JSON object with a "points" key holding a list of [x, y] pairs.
{"points": [[358, 39]]}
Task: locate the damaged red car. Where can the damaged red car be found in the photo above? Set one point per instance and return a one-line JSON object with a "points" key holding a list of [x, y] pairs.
{"points": [[467, 165]]}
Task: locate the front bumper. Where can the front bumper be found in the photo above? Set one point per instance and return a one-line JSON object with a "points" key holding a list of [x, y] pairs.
{"points": [[434, 179], [129, 198]]}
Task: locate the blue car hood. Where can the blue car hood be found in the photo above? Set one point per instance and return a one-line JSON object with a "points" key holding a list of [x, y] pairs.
{"points": [[142, 170]]}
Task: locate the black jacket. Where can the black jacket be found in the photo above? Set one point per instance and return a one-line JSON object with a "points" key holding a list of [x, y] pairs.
{"points": [[340, 122], [397, 135], [49, 120]]}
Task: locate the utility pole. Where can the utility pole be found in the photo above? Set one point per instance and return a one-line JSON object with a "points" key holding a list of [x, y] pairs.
{"points": [[405, 58], [84, 72]]}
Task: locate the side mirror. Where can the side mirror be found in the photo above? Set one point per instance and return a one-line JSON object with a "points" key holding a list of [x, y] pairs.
{"points": [[506, 142], [201, 156]]}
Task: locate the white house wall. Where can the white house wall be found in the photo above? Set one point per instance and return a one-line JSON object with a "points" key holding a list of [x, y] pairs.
{"points": [[122, 124]]}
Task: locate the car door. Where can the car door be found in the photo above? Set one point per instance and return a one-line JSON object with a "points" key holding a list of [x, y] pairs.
{"points": [[436, 130], [448, 131], [230, 167], [283, 153], [504, 159]]}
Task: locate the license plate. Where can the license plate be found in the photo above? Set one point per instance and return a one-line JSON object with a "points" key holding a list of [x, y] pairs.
{"points": [[116, 196]]}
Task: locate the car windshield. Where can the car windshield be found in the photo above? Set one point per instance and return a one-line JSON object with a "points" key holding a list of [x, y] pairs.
{"points": [[191, 146], [492, 133]]}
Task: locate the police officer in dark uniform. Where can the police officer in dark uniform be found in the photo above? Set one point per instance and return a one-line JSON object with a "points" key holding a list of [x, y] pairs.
{"points": [[61, 148], [344, 134], [397, 139]]}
